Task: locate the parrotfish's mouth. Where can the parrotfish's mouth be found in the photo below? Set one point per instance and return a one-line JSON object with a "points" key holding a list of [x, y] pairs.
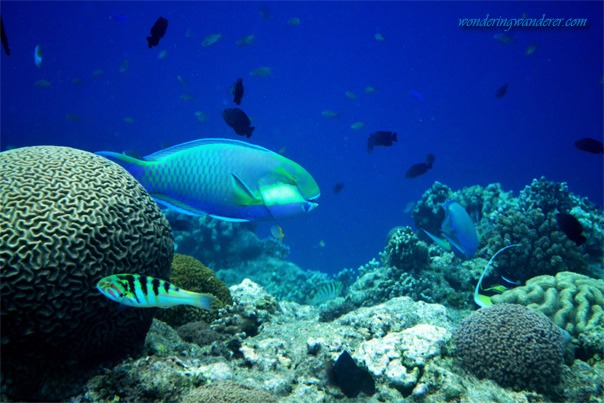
{"points": [[311, 204]]}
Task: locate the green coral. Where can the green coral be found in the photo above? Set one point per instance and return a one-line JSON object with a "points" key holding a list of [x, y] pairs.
{"points": [[572, 301], [192, 275]]}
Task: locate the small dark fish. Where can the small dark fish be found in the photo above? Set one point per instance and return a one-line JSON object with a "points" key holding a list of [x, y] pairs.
{"points": [[381, 138], [571, 227], [265, 12], [157, 32], [238, 120], [421, 168], [351, 378], [590, 145], [502, 91], [337, 188], [237, 91], [4, 38]]}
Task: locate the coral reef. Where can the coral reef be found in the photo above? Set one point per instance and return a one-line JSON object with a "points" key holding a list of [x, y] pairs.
{"points": [[512, 345], [277, 276], [572, 301], [548, 196], [192, 275], [427, 213], [228, 392], [404, 344], [69, 218], [544, 249], [223, 244], [406, 252]]}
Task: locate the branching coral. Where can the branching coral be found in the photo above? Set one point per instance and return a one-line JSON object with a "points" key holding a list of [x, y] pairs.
{"points": [[406, 252], [544, 249]]}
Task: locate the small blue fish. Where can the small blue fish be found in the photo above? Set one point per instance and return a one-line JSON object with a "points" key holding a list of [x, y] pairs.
{"points": [[38, 56], [458, 230]]}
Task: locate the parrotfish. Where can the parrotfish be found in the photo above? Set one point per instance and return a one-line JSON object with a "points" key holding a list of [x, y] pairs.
{"points": [[226, 179], [148, 292], [458, 230]]}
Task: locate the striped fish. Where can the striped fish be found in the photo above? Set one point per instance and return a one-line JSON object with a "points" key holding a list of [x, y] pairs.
{"points": [[148, 292], [326, 292]]}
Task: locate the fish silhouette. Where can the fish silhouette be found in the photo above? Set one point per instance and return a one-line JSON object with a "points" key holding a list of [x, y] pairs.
{"points": [[157, 32]]}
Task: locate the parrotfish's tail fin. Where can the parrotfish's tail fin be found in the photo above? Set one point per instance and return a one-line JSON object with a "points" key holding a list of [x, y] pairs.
{"points": [[484, 300], [133, 165]]}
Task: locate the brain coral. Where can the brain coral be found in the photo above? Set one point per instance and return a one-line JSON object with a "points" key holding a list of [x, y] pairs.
{"points": [[572, 301], [512, 345], [69, 218]]}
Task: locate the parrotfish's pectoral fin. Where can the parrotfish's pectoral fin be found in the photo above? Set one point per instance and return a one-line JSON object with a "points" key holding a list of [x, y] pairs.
{"points": [[457, 249], [243, 194], [443, 243], [176, 205]]}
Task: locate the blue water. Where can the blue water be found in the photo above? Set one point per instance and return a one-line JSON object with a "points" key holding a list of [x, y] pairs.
{"points": [[435, 85]]}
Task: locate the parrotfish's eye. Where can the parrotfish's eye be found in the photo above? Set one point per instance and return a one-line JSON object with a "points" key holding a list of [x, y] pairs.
{"points": [[292, 181]]}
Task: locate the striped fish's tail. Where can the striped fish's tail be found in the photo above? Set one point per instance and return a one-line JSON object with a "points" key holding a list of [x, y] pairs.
{"points": [[203, 301], [134, 166]]}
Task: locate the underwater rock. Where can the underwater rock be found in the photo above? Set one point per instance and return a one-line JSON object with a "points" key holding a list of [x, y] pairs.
{"points": [[292, 356]]}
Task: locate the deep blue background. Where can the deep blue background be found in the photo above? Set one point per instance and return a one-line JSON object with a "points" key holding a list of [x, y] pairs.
{"points": [[554, 97]]}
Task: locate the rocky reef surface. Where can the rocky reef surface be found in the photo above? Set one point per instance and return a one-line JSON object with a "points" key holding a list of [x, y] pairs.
{"points": [[407, 317], [405, 345]]}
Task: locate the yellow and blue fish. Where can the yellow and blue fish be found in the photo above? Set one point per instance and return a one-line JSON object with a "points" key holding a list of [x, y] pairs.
{"points": [[149, 292], [226, 179]]}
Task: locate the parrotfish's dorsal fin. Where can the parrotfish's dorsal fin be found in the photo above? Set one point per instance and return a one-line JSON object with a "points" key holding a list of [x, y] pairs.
{"points": [[166, 152]]}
